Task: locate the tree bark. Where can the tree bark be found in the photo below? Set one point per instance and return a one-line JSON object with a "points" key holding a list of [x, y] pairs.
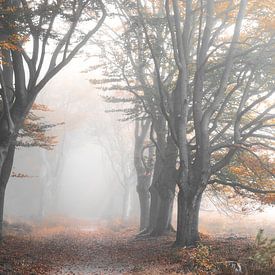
{"points": [[4, 177], [143, 174], [159, 124], [189, 202], [154, 208], [164, 217], [2, 199], [166, 189], [154, 195], [144, 200]]}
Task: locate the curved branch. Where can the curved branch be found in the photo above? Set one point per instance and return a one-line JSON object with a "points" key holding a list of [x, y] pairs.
{"points": [[239, 185]]}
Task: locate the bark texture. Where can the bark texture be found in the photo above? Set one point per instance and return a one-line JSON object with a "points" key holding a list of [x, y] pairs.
{"points": [[143, 171], [5, 174], [188, 217]]}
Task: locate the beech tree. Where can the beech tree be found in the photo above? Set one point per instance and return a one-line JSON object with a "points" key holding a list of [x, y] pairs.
{"points": [[35, 133], [35, 130], [131, 84], [24, 73], [220, 107], [216, 107]]}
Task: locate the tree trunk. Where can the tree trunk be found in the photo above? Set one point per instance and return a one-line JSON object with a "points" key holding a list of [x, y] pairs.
{"points": [[2, 199], [154, 195], [144, 200], [160, 129], [154, 208], [5, 174], [41, 212], [45, 177], [126, 203], [143, 176], [166, 189], [163, 224], [189, 202]]}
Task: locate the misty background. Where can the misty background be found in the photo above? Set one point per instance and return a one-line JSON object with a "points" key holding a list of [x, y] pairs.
{"points": [[82, 177]]}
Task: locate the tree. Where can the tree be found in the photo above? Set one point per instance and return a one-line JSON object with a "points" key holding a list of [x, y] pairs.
{"points": [[118, 151], [220, 107], [143, 170], [129, 76], [39, 22], [35, 131]]}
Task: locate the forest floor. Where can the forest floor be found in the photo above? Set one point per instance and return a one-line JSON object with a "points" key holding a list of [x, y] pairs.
{"points": [[113, 249]]}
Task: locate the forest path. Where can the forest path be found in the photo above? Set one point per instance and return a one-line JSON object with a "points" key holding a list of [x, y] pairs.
{"points": [[112, 249], [98, 251], [82, 250]]}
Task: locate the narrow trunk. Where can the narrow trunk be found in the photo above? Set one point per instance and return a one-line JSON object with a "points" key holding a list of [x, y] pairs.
{"points": [[46, 175], [188, 217], [5, 175], [2, 199], [41, 212], [126, 204]]}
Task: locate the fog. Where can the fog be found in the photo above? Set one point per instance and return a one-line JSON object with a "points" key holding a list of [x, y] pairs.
{"points": [[85, 183], [81, 177], [137, 137]]}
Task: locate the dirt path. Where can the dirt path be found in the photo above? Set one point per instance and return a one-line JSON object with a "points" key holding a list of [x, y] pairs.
{"points": [[110, 253], [103, 250], [81, 251]]}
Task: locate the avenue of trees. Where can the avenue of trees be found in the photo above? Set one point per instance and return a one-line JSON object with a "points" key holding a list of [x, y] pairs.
{"points": [[198, 79], [195, 76]]}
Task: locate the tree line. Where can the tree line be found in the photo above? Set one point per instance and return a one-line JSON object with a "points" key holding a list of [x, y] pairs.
{"points": [[196, 77]]}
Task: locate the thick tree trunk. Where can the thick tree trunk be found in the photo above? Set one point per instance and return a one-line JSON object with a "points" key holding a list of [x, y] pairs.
{"points": [[154, 208], [166, 190], [160, 129], [189, 202], [4, 177], [154, 195], [163, 224], [144, 200], [143, 174]]}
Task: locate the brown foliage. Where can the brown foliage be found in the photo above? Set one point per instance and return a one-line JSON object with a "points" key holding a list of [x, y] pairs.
{"points": [[61, 248]]}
